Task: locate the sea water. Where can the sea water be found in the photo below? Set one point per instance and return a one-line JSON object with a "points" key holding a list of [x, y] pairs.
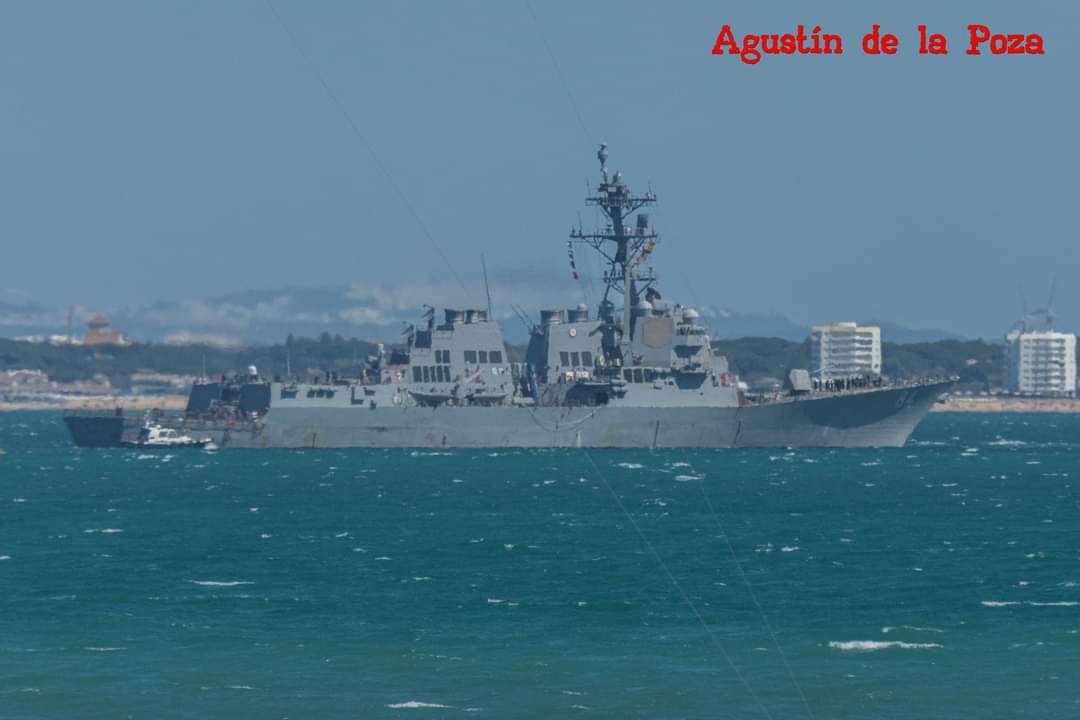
{"points": [[940, 580]]}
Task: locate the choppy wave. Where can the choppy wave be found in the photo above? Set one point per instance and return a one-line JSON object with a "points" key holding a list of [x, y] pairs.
{"points": [[872, 645], [1030, 603]]}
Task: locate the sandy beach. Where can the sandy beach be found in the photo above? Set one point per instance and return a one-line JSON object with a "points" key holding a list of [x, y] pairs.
{"points": [[1008, 404]]}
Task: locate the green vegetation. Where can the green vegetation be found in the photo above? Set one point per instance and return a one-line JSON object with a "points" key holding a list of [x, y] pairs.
{"points": [[979, 365], [756, 359], [69, 363]]}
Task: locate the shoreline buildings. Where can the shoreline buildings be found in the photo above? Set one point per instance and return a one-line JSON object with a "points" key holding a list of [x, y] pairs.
{"points": [[1040, 362], [844, 350]]}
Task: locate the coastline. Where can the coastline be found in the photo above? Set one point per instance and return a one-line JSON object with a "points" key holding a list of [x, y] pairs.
{"points": [[127, 402]]}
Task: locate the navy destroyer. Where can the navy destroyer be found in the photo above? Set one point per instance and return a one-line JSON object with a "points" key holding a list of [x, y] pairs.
{"points": [[641, 373]]}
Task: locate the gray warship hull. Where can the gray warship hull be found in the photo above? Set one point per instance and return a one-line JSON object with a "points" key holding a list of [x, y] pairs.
{"points": [[872, 418], [878, 418]]}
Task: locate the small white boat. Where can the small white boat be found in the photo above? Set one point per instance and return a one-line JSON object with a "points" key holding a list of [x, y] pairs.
{"points": [[152, 435]]}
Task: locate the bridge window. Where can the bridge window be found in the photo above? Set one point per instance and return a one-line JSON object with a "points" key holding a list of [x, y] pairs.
{"points": [[628, 375], [483, 356], [470, 357], [444, 374], [586, 358], [575, 359], [495, 356], [639, 376], [416, 373], [564, 357], [427, 374]]}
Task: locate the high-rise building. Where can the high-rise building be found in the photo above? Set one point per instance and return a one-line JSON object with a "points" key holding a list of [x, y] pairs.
{"points": [[1041, 362], [843, 350]]}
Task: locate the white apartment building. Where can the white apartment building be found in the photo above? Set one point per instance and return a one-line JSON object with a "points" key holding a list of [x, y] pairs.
{"points": [[1041, 362], [845, 350]]}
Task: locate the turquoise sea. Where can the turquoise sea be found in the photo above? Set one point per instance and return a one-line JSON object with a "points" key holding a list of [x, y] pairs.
{"points": [[941, 580]]}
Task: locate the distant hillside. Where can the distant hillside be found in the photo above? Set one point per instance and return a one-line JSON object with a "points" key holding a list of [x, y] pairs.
{"points": [[375, 312], [758, 360], [729, 325]]}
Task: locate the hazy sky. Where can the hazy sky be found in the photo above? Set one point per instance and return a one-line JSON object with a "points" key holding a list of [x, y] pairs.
{"points": [[176, 150]]}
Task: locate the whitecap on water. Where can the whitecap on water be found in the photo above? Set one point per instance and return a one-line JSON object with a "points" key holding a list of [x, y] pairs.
{"points": [[416, 704], [872, 645], [5, 557], [630, 466], [1030, 603], [221, 583]]}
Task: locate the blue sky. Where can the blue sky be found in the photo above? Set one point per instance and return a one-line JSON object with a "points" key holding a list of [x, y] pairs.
{"points": [[168, 151]]}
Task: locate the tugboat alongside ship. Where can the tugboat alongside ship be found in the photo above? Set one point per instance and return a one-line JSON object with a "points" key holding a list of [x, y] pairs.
{"points": [[641, 374]]}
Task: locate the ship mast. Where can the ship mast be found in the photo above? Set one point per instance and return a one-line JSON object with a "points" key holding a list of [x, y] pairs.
{"points": [[630, 247]]}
